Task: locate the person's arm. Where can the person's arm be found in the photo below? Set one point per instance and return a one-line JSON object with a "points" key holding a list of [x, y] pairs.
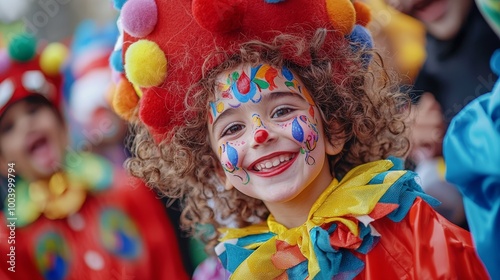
{"points": [[472, 153]]}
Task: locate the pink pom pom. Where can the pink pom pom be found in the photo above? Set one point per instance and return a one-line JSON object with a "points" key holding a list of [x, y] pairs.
{"points": [[4, 61], [219, 15], [139, 17]]}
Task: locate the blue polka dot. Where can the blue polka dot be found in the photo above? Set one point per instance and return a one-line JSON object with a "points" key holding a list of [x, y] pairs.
{"points": [[118, 4], [116, 61]]}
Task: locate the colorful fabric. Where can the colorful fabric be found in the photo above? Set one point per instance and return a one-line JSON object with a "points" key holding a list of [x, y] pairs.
{"points": [[84, 173], [210, 269], [472, 152], [120, 231], [338, 229]]}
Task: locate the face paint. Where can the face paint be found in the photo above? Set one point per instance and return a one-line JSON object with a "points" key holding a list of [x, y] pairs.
{"points": [[305, 132], [229, 161], [240, 88], [266, 130], [261, 134]]}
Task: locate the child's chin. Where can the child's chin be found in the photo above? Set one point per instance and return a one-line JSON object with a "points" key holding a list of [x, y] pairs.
{"points": [[48, 165]]}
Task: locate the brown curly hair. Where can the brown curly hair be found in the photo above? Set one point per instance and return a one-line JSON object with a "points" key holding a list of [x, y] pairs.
{"points": [[360, 103]]}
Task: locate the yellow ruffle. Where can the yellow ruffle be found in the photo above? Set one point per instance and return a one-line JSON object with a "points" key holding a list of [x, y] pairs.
{"points": [[352, 197]]}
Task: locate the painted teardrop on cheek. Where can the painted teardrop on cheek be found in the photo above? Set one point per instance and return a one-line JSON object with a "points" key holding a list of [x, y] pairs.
{"points": [[227, 165], [232, 155], [297, 131]]}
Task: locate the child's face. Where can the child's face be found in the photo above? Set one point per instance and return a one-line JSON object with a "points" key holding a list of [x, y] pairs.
{"points": [[268, 133], [34, 138]]}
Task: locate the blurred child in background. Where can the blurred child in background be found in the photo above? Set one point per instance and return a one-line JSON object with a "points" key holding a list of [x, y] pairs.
{"points": [[472, 152], [94, 126], [459, 44], [73, 215]]}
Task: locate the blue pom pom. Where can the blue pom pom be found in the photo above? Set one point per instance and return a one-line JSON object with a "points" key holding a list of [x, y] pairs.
{"points": [[360, 37], [118, 4], [361, 40], [274, 1], [116, 61]]}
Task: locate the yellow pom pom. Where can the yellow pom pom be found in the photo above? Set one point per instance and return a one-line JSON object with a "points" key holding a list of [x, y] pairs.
{"points": [[145, 64], [52, 58], [341, 14]]}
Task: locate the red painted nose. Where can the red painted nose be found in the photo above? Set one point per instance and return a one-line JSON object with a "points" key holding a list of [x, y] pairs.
{"points": [[260, 136]]}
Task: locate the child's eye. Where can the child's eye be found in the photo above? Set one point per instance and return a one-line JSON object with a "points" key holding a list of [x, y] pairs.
{"points": [[232, 129], [5, 128], [281, 112]]}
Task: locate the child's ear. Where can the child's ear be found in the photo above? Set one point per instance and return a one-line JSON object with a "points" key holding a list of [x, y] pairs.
{"points": [[335, 143], [333, 147], [227, 185]]}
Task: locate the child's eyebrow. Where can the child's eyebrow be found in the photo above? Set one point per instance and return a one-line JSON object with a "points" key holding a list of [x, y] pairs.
{"points": [[265, 98]]}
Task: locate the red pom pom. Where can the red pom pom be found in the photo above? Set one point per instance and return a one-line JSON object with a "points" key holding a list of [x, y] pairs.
{"points": [[219, 15]]}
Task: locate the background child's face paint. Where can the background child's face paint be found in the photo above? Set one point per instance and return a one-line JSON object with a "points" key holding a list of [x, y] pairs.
{"points": [[266, 133]]}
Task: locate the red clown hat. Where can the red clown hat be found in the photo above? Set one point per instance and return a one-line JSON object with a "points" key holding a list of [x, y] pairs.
{"points": [[24, 72], [164, 44]]}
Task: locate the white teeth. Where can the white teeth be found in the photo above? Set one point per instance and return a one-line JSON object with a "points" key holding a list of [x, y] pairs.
{"points": [[273, 162]]}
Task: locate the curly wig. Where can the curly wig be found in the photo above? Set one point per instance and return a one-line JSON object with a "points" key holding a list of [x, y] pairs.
{"points": [[359, 101]]}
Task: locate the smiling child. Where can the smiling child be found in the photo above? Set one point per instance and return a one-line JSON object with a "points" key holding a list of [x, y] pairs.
{"points": [[275, 122], [68, 215]]}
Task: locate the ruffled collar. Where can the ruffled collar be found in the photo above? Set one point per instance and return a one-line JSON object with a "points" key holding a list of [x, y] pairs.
{"points": [[64, 193], [339, 224]]}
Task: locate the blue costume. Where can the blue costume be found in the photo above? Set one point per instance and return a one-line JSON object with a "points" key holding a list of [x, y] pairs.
{"points": [[472, 154]]}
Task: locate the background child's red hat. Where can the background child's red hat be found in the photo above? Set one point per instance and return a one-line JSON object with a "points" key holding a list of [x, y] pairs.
{"points": [[25, 72], [164, 43]]}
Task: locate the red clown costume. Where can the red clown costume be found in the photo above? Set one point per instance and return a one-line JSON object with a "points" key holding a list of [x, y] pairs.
{"points": [[90, 220]]}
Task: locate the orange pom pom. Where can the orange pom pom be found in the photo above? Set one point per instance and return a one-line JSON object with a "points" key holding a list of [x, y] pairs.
{"points": [[125, 100], [341, 14], [363, 13]]}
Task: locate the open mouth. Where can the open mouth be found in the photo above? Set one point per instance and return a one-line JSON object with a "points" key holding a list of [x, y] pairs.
{"points": [[273, 165], [38, 145], [42, 152]]}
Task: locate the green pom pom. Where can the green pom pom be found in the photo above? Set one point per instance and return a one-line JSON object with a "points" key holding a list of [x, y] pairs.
{"points": [[22, 47]]}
